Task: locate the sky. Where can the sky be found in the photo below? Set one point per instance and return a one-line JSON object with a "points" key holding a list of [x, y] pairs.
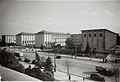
{"points": [[67, 16]]}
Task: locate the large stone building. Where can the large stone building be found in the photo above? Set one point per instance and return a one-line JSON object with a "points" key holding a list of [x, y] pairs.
{"points": [[9, 39], [25, 39], [99, 39], [46, 38]]}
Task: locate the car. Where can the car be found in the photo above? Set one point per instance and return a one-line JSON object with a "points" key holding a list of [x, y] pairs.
{"points": [[18, 54], [100, 69], [104, 71], [96, 77], [58, 57]]}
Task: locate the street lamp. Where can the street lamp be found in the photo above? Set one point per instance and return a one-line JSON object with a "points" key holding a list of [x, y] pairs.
{"points": [[55, 57]]}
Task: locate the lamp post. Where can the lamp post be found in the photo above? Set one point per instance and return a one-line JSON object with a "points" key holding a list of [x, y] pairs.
{"points": [[55, 56]]}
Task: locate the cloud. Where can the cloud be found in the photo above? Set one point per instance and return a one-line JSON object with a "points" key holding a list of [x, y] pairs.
{"points": [[85, 12], [108, 13]]}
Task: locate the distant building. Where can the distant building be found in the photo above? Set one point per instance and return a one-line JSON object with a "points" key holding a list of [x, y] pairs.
{"points": [[76, 39], [9, 39], [99, 39], [47, 39], [25, 39]]}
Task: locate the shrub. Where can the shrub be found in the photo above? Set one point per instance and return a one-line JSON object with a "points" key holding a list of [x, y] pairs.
{"points": [[27, 60], [8, 60]]}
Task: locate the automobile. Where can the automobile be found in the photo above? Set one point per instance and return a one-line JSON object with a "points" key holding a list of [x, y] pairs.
{"points": [[104, 71], [58, 57], [112, 58], [18, 54], [96, 77], [100, 69]]}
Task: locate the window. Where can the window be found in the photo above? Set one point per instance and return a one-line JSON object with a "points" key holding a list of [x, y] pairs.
{"points": [[89, 35], [95, 35], [84, 35], [100, 34]]}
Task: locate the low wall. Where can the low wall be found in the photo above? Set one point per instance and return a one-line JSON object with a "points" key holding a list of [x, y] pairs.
{"points": [[11, 75]]}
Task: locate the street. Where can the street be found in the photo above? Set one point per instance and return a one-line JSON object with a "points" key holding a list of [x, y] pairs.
{"points": [[77, 67]]}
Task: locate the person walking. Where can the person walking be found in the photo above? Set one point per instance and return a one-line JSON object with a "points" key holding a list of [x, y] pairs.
{"points": [[69, 77]]}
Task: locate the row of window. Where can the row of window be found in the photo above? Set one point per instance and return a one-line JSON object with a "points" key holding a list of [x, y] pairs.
{"points": [[95, 35], [28, 41], [56, 42]]}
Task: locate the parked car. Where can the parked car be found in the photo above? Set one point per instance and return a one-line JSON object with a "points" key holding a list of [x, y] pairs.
{"points": [[18, 54], [105, 72], [96, 77], [100, 69], [58, 57], [111, 58]]}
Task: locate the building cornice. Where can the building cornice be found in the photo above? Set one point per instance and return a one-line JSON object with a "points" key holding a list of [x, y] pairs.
{"points": [[99, 30]]}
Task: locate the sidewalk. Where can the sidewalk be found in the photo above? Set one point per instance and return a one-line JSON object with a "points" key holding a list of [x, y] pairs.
{"points": [[83, 58], [64, 77]]}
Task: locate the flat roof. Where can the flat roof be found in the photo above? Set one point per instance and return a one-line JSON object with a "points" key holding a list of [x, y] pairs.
{"points": [[44, 31], [25, 33], [99, 30], [8, 35]]}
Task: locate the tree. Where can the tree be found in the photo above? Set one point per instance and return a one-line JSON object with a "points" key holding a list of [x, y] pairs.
{"points": [[41, 47], [36, 72], [28, 70], [2, 43], [8, 60], [48, 65], [37, 57], [38, 62], [69, 44], [88, 49], [48, 76], [48, 70]]}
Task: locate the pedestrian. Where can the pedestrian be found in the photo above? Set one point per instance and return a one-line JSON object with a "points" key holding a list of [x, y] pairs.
{"points": [[69, 77], [54, 69], [83, 78]]}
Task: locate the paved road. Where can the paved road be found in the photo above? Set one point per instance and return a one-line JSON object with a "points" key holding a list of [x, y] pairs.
{"points": [[75, 66]]}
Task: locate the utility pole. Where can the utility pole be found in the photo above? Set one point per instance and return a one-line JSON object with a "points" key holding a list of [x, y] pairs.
{"points": [[55, 57]]}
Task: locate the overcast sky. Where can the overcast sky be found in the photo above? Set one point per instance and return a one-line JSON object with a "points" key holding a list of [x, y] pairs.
{"points": [[58, 16]]}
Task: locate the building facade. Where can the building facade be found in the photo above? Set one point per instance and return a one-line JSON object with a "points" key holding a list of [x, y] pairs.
{"points": [[9, 39], [99, 39], [25, 39], [46, 38], [76, 39]]}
